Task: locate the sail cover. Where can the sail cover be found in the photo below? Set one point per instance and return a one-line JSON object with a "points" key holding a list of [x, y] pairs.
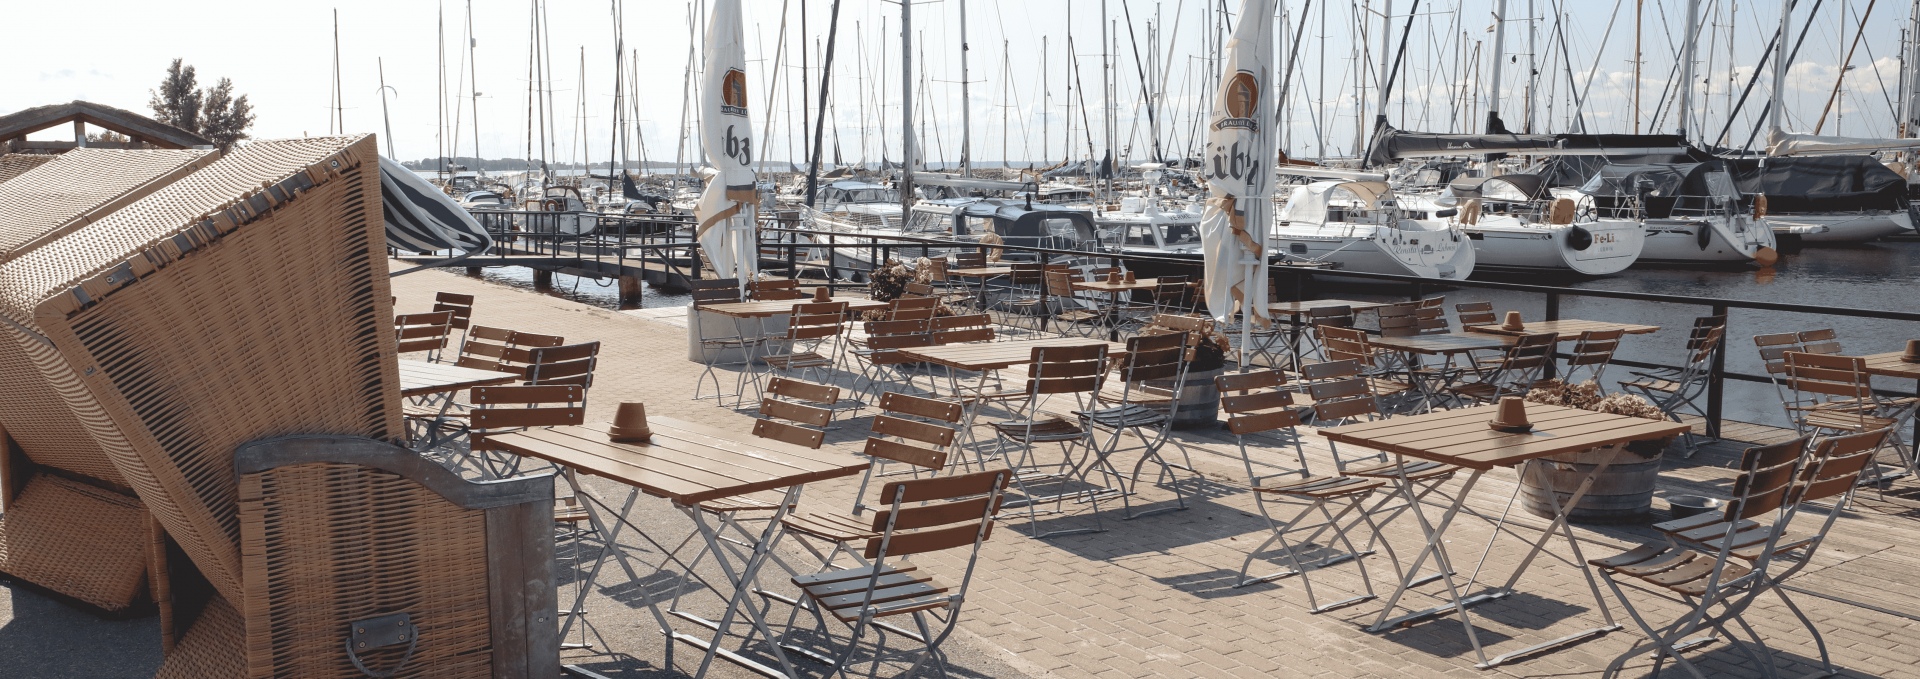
{"points": [[423, 219], [1390, 144], [1781, 143], [1821, 183], [726, 208], [1240, 144]]}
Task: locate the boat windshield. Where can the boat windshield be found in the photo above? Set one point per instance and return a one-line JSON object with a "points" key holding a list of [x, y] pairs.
{"points": [[869, 196], [1139, 235], [929, 222], [1180, 234]]}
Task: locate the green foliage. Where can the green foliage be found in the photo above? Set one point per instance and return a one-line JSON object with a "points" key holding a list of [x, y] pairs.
{"points": [[215, 114]]}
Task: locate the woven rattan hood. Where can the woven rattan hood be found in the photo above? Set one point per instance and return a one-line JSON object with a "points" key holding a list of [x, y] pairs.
{"points": [[84, 184]]}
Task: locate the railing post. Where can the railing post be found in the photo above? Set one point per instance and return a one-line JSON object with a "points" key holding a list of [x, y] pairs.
{"points": [[1553, 354], [793, 264], [1419, 290], [1717, 378], [833, 271]]}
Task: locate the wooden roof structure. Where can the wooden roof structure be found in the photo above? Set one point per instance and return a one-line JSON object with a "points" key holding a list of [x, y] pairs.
{"points": [[14, 128]]}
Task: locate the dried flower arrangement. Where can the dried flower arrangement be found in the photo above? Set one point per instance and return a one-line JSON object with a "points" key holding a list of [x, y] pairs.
{"points": [[889, 282], [1586, 396]]}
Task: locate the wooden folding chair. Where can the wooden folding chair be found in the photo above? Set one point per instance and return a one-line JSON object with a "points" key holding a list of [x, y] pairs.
{"points": [[1145, 412], [813, 342], [1518, 370], [774, 290], [880, 351], [1834, 395], [1028, 297], [1592, 351], [423, 332], [901, 432], [1727, 560], [1475, 313], [462, 308], [1068, 313], [954, 512], [1329, 316], [1675, 392], [709, 292], [1077, 371]]}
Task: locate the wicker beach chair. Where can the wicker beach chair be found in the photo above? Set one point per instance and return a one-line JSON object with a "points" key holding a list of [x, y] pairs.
{"points": [[142, 327]]}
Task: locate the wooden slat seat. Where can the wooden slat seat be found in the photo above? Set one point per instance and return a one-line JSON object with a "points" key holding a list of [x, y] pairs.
{"points": [[1051, 429], [1417, 470], [830, 527], [1325, 487]]}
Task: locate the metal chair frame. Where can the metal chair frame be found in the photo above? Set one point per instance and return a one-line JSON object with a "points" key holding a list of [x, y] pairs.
{"points": [[1145, 414]]}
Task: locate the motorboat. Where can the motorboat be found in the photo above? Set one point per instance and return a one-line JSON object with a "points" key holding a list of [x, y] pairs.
{"points": [[1512, 223], [965, 221], [1691, 213], [1359, 226], [560, 210]]}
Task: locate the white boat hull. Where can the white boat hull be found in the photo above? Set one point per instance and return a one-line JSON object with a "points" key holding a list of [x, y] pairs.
{"points": [[1728, 240], [1847, 227], [1424, 249], [1596, 248]]}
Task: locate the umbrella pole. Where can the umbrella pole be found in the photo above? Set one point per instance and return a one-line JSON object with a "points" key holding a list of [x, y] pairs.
{"points": [[1246, 313]]}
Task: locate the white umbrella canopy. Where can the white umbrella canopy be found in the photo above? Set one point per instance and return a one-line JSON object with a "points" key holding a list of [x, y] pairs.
{"points": [[726, 209], [1239, 175]]}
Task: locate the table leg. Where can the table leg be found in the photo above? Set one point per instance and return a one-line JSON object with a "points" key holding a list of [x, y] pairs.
{"points": [[1435, 538], [1560, 525], [612, 548], [742, 581]]}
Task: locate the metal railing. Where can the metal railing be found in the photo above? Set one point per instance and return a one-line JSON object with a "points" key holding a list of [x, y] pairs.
{"points": [[1293, 282]]}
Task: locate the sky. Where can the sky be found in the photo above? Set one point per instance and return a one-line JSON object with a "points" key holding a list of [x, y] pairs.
{"points": [[282, 56]]}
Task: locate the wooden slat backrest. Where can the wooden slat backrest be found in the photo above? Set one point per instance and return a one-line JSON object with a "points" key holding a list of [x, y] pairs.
{"points": [[1823, 341], [909, 518], [805, 391], [906, 454], [1475, 313], [929, 540], [1340, 410], [1324, 391], [1263, 379], [1345, 344], [776, 295], [453, 298], [436, 318], [1595, 347], [900, 341], [542, 372], [1064, 369], [563, 353], [911, 313], [1327, 370], [798, 412], [1262, 400], [490, 334], [1259, 422], [714, 284], [1432, 320], [1399, 326], [924, 432], [1838, 463], [1766, 478], [1153, 357], [930, 408], [920, 290], [521, 395], [874, 328], [1170, 289], [423, 332], [1027, 273], [1340, 316], [705, 298], [1434, 302], [943, 487], [462, 315], [788, 433], [496, 418], [1831, 375], [1059, 284], [969, 260], [963, 336], [960, 322], [1701, 348]]}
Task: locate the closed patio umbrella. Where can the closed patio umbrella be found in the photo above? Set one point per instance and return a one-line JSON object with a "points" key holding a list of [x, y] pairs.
{"points": [[1239, 176]]}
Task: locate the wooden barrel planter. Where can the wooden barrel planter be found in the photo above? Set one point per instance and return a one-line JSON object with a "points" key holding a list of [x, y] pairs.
{"points": [[1199, 400], [1621, 494]]}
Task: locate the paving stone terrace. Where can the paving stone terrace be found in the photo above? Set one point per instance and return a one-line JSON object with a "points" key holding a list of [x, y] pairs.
{"points": [[1154, 596]]}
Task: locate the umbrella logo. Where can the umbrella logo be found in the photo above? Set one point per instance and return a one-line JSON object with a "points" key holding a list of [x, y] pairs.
{"points": [[733, 93], [1242, 99]]}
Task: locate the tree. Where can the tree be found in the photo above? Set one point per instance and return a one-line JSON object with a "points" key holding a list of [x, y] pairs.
{"points": [[223, 119], [215, 114], [177, 103], [106, 136]]}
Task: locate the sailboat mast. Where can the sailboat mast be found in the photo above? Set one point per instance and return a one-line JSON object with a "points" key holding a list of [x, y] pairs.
{"points": [[1499, 52], [1780, 68], [385, 121], [966, 104], [1686, 65], [820, 121], [906, 107]]}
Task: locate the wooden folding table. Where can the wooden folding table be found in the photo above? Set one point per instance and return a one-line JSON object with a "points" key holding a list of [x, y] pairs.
{"points": [[1461, 437], [687, 464]]}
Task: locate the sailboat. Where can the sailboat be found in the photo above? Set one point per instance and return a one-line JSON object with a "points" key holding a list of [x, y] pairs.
{"points": [[1355, 221]]}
